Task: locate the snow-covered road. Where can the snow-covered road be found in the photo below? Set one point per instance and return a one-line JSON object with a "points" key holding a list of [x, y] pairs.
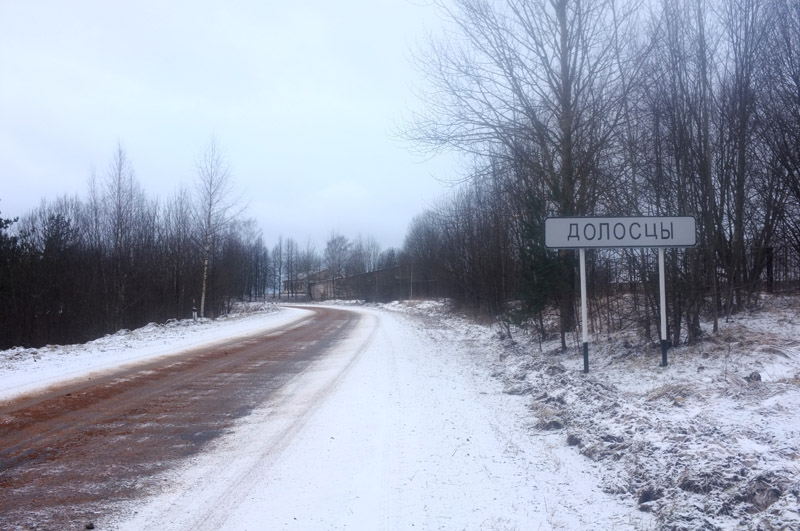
{"points": [[394, 429]]}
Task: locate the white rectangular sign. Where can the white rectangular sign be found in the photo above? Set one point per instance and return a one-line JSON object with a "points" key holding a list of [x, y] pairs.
{"points": [[657, 231]]}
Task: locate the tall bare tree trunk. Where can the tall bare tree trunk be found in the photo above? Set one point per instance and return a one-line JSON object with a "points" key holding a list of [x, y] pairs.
{"points": [[216, 206]]}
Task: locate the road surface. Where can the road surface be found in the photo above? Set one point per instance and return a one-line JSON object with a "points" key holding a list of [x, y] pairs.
{"points": [[68, 454]]}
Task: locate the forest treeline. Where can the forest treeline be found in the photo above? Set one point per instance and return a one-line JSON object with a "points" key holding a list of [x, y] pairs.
{"points": [[564, 108], [77, 268], [612, 108]]}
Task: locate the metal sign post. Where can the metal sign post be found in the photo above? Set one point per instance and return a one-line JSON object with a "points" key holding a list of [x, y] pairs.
{"points": [[584, 313], [662, 290], [621, 232]]}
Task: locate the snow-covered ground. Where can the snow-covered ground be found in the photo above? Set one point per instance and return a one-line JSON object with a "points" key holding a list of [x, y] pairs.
{"points": [[710, 442], [425, 420], [398, 428]]}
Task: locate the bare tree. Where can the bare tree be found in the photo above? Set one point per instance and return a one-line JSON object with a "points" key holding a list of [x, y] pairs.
{"points": [[363, 256], [123, 203], [308, 264], [783, 108], [372, 252], [217, 206], [292, 270], [277, 267], [178, 235], [337, 253], [537, 83]]}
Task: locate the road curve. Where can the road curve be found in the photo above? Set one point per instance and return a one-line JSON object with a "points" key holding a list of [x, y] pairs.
{"points": [[69, 453]]}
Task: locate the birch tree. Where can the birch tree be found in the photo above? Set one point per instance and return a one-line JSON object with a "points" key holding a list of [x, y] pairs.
{"points": [[217, 206]]}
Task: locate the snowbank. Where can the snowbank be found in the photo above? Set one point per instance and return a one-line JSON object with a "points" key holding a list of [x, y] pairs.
{"points": [[26, 370]]}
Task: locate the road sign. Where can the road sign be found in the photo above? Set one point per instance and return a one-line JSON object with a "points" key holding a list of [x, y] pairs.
{"points": [[593, 233], [585, 233]]}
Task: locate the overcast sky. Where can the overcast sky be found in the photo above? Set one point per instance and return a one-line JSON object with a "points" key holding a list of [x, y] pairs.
{"points": [[303, 95]]}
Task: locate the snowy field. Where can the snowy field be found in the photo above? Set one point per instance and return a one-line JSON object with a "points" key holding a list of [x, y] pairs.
{"points": [[424, 420]]}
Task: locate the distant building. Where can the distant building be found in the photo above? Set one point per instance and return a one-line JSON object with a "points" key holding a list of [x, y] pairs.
{"points": [[304, 285], [393, 283]]}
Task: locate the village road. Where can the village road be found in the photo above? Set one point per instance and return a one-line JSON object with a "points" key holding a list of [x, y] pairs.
{"points": [[69, 454]]}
